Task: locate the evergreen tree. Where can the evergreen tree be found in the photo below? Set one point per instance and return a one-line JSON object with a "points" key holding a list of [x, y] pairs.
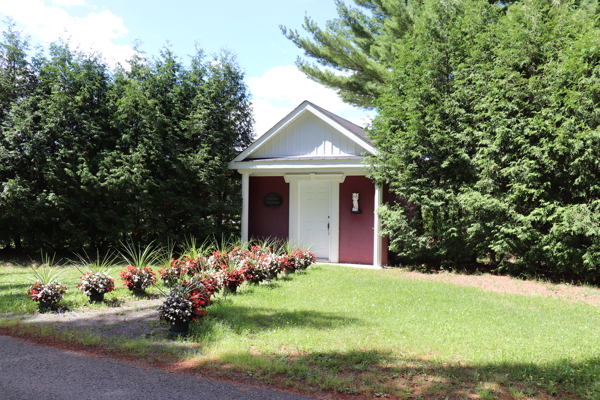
{"points": [[488, 127], [17, 81], [52, 139], [89, 156], [357, 50]]}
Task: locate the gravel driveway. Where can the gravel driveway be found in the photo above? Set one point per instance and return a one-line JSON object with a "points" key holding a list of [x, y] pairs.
{"points": [[34, 372]]}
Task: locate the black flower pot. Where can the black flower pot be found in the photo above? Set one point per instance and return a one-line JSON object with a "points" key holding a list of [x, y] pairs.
{"points": [[45, 306], [231, 287], [139, 292], [179, 329], [96, 297]]}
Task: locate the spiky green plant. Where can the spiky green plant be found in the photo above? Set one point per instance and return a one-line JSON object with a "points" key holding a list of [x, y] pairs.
{"points": [[166, 253], [288, 246], [194, 251], [133, 254], [226, 244], [267, 243], [46, 273], [100, 264]]}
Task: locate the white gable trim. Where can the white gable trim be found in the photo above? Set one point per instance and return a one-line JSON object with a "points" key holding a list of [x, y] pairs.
{"points": [[304, 107], [343, 130]]}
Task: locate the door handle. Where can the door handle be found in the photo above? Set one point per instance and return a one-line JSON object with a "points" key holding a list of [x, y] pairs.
{"points": [[328, 228]]}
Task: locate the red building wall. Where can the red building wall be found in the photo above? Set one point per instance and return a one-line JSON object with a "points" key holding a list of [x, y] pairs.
{"points": [[264, 222], [356, 230]]}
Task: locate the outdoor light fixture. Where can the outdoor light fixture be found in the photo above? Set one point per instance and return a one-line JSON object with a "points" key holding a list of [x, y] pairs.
{"points": [[355, 208]]}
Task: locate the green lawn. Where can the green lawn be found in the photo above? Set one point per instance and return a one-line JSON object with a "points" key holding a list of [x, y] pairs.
{"points": [[14, 282], [377, 333]]}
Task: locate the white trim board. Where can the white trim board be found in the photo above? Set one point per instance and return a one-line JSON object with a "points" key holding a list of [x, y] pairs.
{"points": [[339, 178]]}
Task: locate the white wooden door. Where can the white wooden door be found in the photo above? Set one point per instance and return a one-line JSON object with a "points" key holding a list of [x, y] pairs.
{"points": [[315, 216]]}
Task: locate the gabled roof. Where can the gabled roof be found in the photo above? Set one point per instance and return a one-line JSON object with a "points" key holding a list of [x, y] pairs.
{"points": [[352, 127], [351, 131]]}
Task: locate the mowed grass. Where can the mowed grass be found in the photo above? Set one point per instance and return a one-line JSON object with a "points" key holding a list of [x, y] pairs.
{"points": [[374, 332], [377, 333]]}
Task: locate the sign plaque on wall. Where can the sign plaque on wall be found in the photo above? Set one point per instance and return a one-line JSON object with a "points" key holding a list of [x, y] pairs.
{"points": [[273, 200]]}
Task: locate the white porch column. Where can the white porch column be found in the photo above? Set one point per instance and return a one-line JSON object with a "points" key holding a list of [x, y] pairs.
{"points": [[245, 204], [377, 228]]}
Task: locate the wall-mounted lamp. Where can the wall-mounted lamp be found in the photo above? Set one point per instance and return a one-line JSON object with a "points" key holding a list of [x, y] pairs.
{"points": [[355, 207]]}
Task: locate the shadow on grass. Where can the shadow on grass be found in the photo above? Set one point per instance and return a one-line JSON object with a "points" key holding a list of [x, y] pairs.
{"points": [[11, 293], [254, 319], [377, 373]]}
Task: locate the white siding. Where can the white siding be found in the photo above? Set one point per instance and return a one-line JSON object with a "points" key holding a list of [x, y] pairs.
{"points": [[308, 136]]}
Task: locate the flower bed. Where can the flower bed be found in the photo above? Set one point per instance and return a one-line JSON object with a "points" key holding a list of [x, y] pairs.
{"points": [[194, 282], [180, 268]]}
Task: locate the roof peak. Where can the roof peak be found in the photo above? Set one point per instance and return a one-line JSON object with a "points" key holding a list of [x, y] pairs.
{"points": [[351, 126]]}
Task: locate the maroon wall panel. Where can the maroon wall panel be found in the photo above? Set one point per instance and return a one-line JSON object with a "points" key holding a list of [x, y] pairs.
{"points": [[264, 222], [356, 230]]}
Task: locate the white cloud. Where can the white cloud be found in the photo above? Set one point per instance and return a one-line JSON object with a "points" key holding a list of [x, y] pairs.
{"points": [[266, 115], [69, 3], [283, 88], [95, 31]]}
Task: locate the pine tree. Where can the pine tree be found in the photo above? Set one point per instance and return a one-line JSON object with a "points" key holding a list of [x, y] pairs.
{"points": [[488, 128]]}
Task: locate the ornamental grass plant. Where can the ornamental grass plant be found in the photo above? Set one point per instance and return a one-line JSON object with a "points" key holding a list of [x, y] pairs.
{"points": [[138, 274], [46, 288], [96, 278]]}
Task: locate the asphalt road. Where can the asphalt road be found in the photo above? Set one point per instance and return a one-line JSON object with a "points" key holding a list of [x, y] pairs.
{"points": [[34, 372]]}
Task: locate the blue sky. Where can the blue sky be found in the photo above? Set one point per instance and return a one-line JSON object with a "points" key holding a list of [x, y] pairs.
{"points": [[249, 29]]}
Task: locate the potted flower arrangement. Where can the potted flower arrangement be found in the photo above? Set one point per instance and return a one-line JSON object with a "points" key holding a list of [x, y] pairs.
{"points": [[201, 292], [138, 275], [238, 256], [96, 281], [272, 265], [287, 264], [46, 288], [233, 279], [180, 267], [138, 279], [261, 265], [46, 293], [228, 264], [303, 259], [95, 285], [184, 305]]}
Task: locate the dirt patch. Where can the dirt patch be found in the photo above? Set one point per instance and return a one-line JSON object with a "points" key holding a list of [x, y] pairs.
{"points": [[505, 284]]}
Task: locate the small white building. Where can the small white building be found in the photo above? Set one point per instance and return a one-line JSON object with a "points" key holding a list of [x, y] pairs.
{"points": [[305, 180]]}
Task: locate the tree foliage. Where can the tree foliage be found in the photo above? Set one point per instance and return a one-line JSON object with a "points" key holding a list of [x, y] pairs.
{"points": [[89, 155], [489, 126], [356, 51]]}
